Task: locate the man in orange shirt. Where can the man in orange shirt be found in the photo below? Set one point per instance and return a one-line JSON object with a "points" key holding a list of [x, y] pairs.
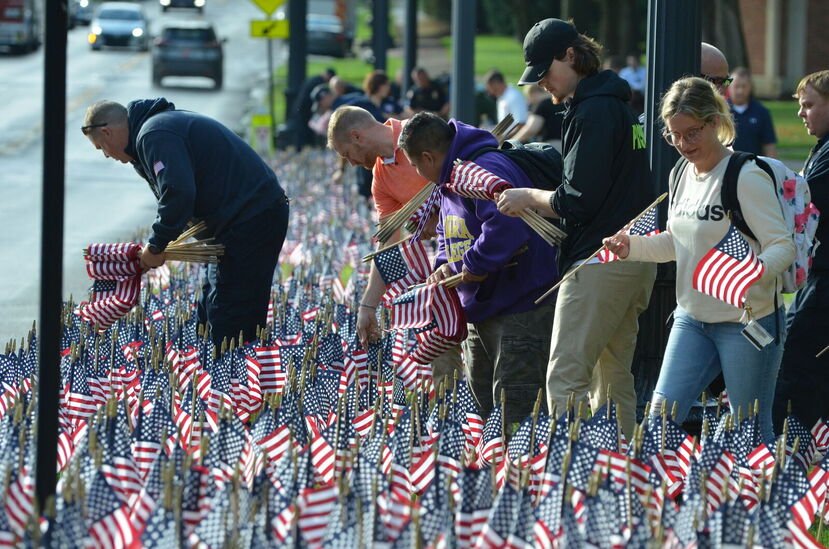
{"points": [[362, 141]]}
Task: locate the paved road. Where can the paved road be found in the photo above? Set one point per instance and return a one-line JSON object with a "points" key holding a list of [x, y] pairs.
{"points": [[105, 200]]}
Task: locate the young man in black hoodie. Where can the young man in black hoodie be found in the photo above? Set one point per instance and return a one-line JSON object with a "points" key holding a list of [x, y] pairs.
{"points": [[200, 170], [606, 183]]}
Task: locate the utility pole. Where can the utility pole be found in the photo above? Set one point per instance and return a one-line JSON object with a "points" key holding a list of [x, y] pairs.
{"points": [[298, 50], [380, 33], [464, 15], [674, 34], [51, 249], [409, 46]]}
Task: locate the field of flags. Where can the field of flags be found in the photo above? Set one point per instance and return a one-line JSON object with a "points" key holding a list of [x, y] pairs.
{"points": [[299, 437]]}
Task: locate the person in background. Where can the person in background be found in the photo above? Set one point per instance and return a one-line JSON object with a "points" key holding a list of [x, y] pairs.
{"points": [[714, 67], [200, 170], [377, 87], [304, 105], [545, 119], [505, 265], [613, 63], [804, 377], [635, 74], [508, 100], [425, 95], [606, 183], [706, 336], [755, 131]]}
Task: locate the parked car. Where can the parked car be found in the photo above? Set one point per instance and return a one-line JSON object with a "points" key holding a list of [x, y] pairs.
{"points": [[20, 25], [188, 48], [81, 12], [196, 4], [119, 24], [326, 35]]}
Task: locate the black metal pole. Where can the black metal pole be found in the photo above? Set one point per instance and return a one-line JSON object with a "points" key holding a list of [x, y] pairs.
{"points": [[51, 248], [298, 48], [409, 45], [380, 33], [673, 51], [464, 15], [271, 105]]}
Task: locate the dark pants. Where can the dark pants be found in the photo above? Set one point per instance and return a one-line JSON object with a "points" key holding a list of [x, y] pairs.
{"points": [[236, 292], [509, 352], [804, 379]]}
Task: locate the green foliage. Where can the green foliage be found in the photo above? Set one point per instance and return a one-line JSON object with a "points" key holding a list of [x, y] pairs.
{"points": [[502, 52]]}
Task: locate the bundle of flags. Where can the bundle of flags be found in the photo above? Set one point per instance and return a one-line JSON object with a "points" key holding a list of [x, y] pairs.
{"points": [[116, 273], [300, 437]]}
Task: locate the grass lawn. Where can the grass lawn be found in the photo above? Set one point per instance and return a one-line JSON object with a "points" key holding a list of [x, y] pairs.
{"points": [[495, 52], [793, 143]]}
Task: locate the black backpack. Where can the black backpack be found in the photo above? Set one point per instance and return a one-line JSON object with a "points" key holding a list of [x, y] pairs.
{"points": [[540, 161]]}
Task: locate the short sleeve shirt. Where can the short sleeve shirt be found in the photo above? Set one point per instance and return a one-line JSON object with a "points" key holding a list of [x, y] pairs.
{"points": [[512, 102], [754, 128], [553, 116], [426, 99], [395, 180]]}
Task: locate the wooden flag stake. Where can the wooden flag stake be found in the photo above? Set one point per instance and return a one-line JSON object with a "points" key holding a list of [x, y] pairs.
{"points": [[597, 252]]}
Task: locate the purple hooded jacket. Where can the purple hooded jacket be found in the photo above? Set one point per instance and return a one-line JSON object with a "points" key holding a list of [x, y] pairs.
{"points": [[474, 234]]}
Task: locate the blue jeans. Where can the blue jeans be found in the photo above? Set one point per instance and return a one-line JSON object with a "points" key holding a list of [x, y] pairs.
{"points": [[698, 351]]}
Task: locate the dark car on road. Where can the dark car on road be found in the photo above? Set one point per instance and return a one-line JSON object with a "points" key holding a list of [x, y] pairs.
{"points": [[188, 48], [121, 24], [196, 4], [326, 36]]}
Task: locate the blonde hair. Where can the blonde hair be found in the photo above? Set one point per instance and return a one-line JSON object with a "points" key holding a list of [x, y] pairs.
{"points": [[699, 98], [344, 119], [818, 80]]}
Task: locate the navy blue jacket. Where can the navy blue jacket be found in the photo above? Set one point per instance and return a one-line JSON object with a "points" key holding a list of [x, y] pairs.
{"points": [[816, 173], [197, 169]]}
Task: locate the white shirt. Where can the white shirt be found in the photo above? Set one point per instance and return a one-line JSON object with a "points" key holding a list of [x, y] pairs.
{"points": [[512, 102], [637, 78]]}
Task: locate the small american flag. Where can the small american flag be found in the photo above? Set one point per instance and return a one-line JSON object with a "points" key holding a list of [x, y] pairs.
{"points": [[646, 226], [403, 265], [470, 180], [728, 269], [117, 282]]}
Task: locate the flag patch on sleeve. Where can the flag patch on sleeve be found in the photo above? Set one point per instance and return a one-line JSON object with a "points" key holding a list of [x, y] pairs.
{"points": [[157, 167]]}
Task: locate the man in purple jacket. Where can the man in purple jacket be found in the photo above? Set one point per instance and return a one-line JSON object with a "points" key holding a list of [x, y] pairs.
{"points": [[506, 266]]}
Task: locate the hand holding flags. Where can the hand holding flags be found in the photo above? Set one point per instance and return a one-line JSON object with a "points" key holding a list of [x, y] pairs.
{"points": [[624, 229], [646, 226]]}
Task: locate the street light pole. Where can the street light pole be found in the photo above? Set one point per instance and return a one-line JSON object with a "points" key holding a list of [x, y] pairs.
{"points": [[464, 15], [51, 249]]}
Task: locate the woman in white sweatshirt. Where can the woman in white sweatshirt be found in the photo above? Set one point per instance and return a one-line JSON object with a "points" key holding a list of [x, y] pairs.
{"points": [[706, 334]]}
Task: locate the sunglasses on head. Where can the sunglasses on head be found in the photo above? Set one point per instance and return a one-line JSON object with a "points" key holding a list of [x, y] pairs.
{"points": [[86, 129], [719, 81]]}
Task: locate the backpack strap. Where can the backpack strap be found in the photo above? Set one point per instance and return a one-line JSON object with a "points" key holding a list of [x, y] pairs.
{"points": [[729, 191], [679, 167]]}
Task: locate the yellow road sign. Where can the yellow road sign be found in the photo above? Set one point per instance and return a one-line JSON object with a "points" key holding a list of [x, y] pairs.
{"points": [[269, 29], [268, 6]]}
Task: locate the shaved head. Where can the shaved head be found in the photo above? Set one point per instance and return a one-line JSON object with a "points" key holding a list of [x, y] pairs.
{"points": [[713, 62], [114, 114]]}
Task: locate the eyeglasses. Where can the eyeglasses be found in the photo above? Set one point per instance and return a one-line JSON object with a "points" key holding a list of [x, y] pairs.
{"points": [[690, 137], [719, 81], [85, 129]]}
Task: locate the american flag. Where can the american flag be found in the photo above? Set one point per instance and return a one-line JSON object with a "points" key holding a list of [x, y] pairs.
{"points": [[647, 225], [403, 265], [470, 180], [728, 269], [414, 308], [117, 282]]}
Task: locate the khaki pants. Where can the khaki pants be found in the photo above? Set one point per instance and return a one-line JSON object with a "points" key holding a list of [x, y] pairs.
{"points": [[446, 365], [594, 336], [509, 352]]}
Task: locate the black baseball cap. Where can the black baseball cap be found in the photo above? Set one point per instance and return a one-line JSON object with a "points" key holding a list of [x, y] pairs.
{"points": [[546, 40]]}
